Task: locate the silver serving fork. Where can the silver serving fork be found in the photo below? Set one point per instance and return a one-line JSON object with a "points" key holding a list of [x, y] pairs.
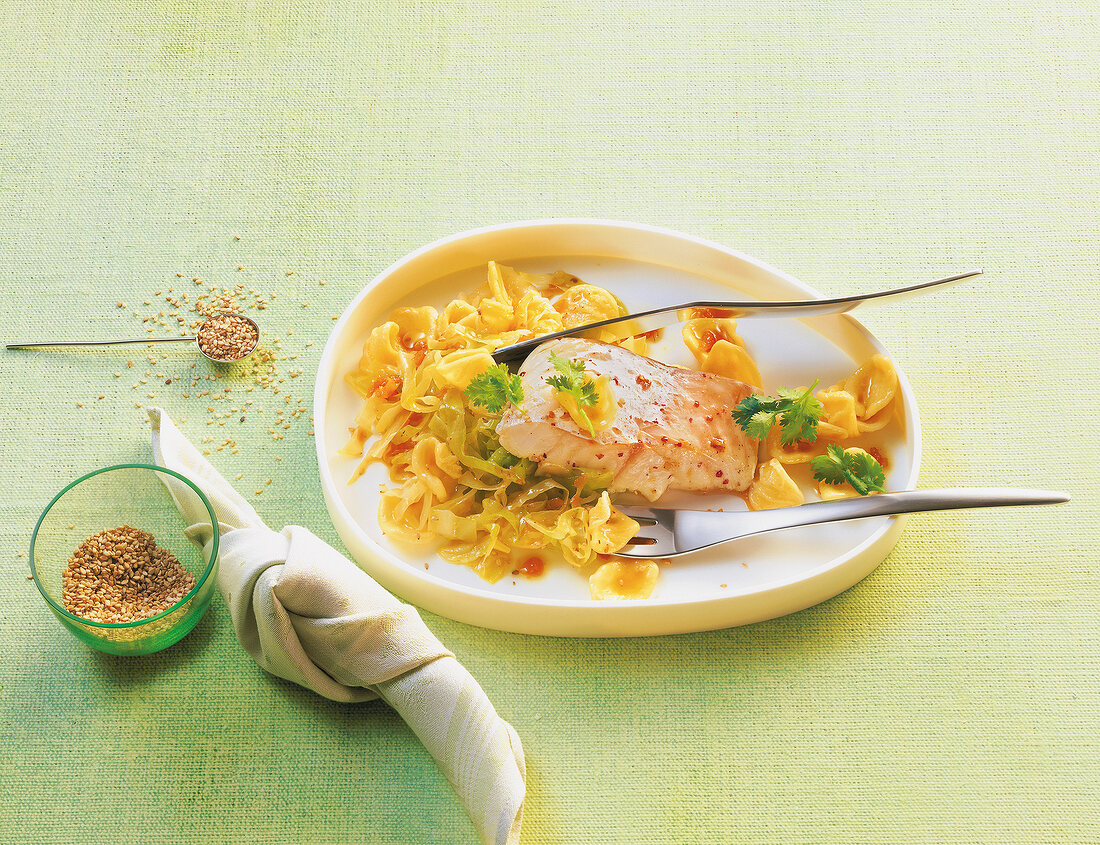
{"points": [[667, 532], [643, 322]]}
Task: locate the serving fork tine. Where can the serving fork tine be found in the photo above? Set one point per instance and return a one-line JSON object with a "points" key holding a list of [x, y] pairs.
{"points": [[643, 322], [668, 532]]}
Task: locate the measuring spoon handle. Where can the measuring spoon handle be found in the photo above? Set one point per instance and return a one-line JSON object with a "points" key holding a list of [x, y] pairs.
{"points": [[99, 342]]}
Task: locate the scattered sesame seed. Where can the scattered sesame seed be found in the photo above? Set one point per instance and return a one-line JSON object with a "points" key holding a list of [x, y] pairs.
{"points": [[261, 372]]}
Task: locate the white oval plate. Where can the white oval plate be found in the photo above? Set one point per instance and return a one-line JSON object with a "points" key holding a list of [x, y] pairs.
{"points": [[748, 581]]}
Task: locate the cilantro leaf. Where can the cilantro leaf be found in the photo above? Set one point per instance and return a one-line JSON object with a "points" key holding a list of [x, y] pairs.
{"points": [[574, 383], [830, 466], [858, 468], [494, 388], [572, 370], [799, 422], [796, 412], [754, 420], [583, 394]]}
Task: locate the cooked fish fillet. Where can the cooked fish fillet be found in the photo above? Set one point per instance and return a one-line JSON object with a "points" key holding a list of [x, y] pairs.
{"points": [[673, 429]]}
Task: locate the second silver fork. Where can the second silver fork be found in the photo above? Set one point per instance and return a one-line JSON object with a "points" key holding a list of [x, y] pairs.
{"points": [[642, 322]]}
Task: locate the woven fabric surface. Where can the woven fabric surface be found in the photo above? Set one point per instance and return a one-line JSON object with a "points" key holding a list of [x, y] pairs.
{"points": [[298, 148]]}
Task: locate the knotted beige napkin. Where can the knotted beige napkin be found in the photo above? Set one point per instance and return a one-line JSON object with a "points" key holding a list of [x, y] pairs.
{"points": [[308, 614]]}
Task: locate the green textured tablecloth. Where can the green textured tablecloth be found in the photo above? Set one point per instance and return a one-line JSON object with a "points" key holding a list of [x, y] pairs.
{"points": [[299, 148]]}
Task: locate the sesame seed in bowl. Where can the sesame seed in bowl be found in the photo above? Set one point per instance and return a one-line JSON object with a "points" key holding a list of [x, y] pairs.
{"points": [[116, 587]]}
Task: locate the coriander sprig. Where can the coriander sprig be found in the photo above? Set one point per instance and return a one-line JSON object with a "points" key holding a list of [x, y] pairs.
{"points": [[797, 415], [574, 383], [494, 388], [855, 466]]}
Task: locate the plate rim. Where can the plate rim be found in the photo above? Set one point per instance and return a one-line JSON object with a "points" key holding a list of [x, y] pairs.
{"points": [[362, 545]]}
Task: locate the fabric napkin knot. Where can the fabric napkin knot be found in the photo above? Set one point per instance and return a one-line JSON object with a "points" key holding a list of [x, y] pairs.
{"points": [[307, 614], [316, 620]]}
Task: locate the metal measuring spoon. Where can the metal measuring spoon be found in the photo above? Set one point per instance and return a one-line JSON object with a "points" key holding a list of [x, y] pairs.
{"points": [[224, 338]]}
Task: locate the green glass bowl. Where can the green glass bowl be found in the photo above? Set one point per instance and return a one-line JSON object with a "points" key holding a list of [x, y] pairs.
{"points": [[135, 495]]}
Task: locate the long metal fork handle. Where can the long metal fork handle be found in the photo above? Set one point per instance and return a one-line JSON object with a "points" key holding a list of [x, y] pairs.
{"points": [[699, 529]]}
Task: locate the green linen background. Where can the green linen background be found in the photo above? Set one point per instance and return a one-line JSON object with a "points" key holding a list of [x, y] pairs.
{"points": [[300, 147]]}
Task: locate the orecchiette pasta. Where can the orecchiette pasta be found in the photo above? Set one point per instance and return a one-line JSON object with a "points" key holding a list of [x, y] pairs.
{"points": [[874, 389], [861, 403], [718, 349], [623, 579], [773, 488]]}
